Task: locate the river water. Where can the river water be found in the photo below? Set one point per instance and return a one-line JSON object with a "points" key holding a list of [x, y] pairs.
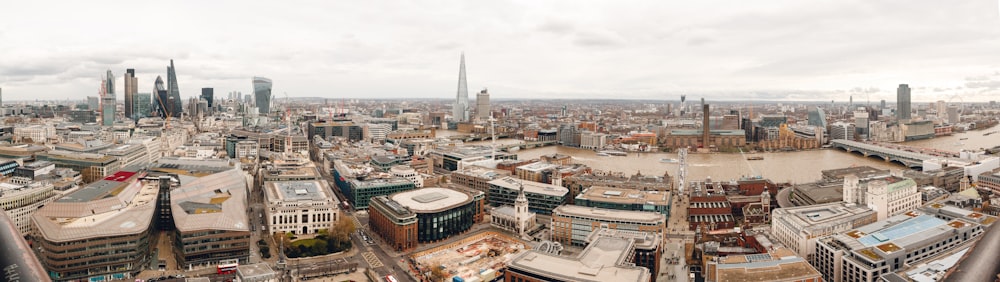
{"points": [[794, 167]]}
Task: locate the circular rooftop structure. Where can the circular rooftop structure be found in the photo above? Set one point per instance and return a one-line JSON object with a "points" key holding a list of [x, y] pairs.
{"points": [[431, 199]]}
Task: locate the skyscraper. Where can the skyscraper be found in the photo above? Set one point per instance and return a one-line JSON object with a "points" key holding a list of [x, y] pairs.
{"points": [[174, 97], [483, 105], [208, 94], [141, 104], [262, 94], [903, 102], [817, 117], [460, 110], [162, 102], [108, 100], [130, 89]]}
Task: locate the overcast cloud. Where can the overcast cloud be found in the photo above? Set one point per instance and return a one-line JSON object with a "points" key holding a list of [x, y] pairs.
{"points": [[720, 50]]}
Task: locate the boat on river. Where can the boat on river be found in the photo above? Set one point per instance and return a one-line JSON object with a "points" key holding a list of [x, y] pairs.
{"points": [[668, 160]]}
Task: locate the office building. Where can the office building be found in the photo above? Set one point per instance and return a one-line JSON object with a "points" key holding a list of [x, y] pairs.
{"points": [[164, 102], [842, 130], [798, 227], [93, 103], [174, 96], [210, 219], [141, 105], [624, 199], [903, 102], [454, 158], [21, 200], [606, 258], [92, 167], [327, 129], [542, 197], [100, 232], [431, 214], [359, 191], [694, 138], [778, 264], [871, 251], [208, 94], [817, 117], [460, 109], [131, 88], [300, 206], [483, 105], [262, 94], [477, 178], [888, 196], [593, 140], [108, 110], [572, 224]]}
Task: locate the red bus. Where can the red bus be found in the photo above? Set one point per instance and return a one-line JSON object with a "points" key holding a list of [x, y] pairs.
{"points": [[389, 278], [227, 268]]}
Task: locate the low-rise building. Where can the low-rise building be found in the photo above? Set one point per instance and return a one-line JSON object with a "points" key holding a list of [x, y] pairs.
{"points": [[21, 200], [868, 252], [798, 227], [542, 198], [300, 206], [425, 215], [477, 177], [710, 212], [99, 232], [210, 219], [604, 259], [93, 167], [572, 224], [624, 199], [778, 264]]}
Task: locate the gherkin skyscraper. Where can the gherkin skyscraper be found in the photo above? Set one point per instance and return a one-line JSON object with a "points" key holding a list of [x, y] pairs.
{"points": [[460, 110]]}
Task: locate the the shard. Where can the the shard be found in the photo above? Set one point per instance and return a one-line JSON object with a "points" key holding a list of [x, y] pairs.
{"points": [[460, 110]]}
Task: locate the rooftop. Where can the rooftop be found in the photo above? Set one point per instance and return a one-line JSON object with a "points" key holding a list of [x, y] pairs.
{"points": [[110, 186], [537, 166], [610, 215], [776, 266], [299, 190], [627, 196], [820, 217], [530, 186], [216, 201], [129, 211], [600, 261], [431, 199]]}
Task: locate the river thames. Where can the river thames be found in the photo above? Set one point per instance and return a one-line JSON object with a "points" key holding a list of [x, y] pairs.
{"points": [[794, 167]]}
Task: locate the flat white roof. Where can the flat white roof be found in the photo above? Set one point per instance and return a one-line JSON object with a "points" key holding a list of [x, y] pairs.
{"points": [[430, 199], [530, 186]]}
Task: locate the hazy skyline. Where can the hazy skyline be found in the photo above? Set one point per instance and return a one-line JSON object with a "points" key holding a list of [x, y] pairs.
{"points": [[720, 50]]}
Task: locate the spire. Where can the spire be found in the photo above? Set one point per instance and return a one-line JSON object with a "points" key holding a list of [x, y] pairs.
{"points": [[460, 110]]}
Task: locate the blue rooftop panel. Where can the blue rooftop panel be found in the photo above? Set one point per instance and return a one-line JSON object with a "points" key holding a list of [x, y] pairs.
{"points": [[903, 229]]}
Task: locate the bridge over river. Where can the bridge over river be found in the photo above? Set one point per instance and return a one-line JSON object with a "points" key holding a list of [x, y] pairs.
{"points": [[907, 158]]}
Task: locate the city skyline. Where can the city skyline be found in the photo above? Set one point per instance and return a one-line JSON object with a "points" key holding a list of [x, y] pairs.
{"points": [[773, 51]]}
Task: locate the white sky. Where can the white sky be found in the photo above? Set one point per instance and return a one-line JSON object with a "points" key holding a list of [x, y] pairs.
{"points": [[720, 50]]}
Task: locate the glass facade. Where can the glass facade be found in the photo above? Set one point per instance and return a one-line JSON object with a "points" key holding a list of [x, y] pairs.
{"points": [[438, 226], [360, 192], [262, 94]]}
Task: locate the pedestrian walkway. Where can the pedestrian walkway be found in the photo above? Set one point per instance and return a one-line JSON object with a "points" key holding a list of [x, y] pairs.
{"points": [[372, 260]]}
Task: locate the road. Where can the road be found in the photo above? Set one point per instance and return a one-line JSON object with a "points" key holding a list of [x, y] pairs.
{"points": [[784, 197]]}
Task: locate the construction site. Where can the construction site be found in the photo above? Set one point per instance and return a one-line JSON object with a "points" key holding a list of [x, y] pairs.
{"points": [[479, 258]]}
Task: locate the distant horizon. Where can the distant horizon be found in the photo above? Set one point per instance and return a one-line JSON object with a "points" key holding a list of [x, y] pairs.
{"points": [[803, 51]]}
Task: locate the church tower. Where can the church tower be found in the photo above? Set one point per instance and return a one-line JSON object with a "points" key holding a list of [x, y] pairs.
{"points": [[521, 213]]}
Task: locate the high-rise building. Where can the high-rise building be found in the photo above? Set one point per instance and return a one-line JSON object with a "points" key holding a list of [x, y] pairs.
{"points": [[209, 95], [108, 100], [882, 105], [483, 105], [817, 117], [262, 94], [131, 88], [460, 110], [163, 99], [174, 91], [93, 103], [141, 103], [953, 117], [903, 102]]}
